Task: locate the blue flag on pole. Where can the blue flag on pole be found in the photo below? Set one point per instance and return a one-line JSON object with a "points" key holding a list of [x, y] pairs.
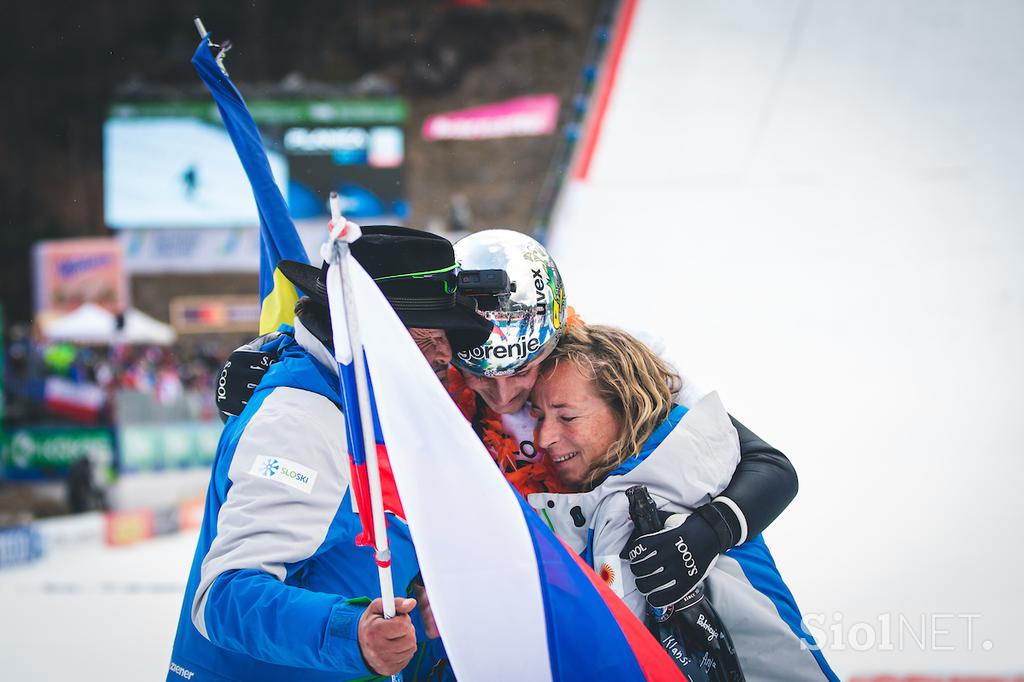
{"points": [[278, 237]]}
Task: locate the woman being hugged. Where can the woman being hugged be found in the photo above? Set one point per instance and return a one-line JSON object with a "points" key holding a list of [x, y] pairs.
{"points": [[607, 419]]}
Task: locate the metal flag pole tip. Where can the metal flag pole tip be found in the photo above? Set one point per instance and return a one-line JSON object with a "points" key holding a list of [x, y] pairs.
{"points": [[335, 203], [204, 34], [341, 228]]}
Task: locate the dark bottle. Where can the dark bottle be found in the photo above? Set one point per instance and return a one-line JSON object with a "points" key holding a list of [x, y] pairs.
{"points": [[691, 631]]}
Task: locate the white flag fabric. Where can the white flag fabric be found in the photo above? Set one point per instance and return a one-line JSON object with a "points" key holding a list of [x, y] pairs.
{"points": [[510, 600]]}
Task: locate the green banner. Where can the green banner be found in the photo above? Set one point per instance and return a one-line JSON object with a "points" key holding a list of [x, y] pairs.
{"points": [[182, 445], [270, 112], [37, 451]]}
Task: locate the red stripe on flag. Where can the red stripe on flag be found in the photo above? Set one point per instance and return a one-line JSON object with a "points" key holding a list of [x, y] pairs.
{"points": [[361, 494], [361, 497], [604, 89], [78, 412], [388, 488], [654, 661]]}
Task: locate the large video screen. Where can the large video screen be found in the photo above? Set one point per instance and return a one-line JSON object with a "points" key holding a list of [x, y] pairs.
{"points": [[172, 164]]}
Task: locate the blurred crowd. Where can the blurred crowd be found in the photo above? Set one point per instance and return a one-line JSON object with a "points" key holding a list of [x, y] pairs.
{"points": [[59, 382]]}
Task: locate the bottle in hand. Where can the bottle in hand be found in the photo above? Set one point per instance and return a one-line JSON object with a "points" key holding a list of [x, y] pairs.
{"points": [[690, 631]]}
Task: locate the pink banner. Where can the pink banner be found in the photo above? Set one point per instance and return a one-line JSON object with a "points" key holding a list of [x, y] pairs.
{"points": [[70, 272], [519, 117]]}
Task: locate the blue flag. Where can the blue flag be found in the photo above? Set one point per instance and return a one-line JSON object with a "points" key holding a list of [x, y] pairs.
{"points": [[278, 237]]}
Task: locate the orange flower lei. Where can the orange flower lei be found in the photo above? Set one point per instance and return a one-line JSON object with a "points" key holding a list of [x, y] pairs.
{"points": [[572, 319], [526, 477]]}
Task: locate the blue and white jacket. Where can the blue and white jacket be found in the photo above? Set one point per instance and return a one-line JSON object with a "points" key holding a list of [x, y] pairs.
{"points": [[686, 461], [278, 585]]}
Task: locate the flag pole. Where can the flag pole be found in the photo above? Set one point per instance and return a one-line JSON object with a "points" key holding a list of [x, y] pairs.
{"points": [[200, 27], [335, 252], [204, 34]]}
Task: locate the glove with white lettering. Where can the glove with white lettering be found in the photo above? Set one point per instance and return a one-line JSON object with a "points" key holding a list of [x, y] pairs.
{"points": [[670, 563], [241, 374]]}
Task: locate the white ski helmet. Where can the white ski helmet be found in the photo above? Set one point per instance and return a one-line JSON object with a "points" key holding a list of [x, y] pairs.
{"points": [[528, 315]]}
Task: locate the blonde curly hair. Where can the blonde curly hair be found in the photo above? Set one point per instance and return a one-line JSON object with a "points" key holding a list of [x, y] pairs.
{"points": [[635, 383]]}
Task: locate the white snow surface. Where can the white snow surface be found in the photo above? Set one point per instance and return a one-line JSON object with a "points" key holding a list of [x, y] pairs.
{"points": [[94, 613], [819, 206]]}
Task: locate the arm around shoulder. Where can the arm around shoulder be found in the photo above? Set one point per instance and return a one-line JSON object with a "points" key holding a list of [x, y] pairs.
{"points": [[763, 485]]}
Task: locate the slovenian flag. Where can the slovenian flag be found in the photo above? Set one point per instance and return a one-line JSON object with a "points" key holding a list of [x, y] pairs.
{"points": [[278, 237], [360, 483], [510, 600]]}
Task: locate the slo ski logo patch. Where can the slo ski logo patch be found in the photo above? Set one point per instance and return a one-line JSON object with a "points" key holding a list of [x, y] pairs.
{"points": [[285, 471]]}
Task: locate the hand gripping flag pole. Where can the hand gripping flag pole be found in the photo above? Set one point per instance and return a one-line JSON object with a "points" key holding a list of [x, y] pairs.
{"points": [[348, 349]]}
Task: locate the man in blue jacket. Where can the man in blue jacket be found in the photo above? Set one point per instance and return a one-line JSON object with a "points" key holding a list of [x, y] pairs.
{"points": [[278, 589]]}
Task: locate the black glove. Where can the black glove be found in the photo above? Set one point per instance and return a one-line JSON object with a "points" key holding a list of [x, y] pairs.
{"points": [[670, 563], [240, 375]]}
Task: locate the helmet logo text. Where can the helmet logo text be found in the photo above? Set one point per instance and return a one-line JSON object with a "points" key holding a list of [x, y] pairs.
{"points": [[539, 283], [519, 350]]}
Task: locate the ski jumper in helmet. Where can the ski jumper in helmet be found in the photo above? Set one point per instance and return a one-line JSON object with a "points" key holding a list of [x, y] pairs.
{"points": [[528, 311]]}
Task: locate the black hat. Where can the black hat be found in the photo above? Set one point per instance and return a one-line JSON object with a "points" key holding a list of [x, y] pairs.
{"points": [[416, 271]]}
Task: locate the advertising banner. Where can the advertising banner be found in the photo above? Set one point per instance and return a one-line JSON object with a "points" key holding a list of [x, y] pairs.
{"points": [[170, 250], [215, 314], [519, 117], [155, 447], [76, 531], [19, 545], [166, 520], [126, 527], [32, 453], [190, 513], [70, 272]]}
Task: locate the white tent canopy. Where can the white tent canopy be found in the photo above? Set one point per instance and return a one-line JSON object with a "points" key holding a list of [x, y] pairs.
{"points": [[90, 323], [141, 328]]}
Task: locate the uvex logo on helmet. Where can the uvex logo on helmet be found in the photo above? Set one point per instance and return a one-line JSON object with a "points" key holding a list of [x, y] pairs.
{"points": [[539, 284]]}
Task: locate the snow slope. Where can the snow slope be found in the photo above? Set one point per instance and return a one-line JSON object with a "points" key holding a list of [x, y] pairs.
{"points": [[95, 613], [817, 204]]}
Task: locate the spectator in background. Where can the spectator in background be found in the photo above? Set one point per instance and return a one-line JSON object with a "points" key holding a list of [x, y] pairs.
{"points": [[169, 388], [169, 376], [82, 492]]}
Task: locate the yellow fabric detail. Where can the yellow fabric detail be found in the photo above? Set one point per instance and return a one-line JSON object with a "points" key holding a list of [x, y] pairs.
{"points": [[279, 306]]}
